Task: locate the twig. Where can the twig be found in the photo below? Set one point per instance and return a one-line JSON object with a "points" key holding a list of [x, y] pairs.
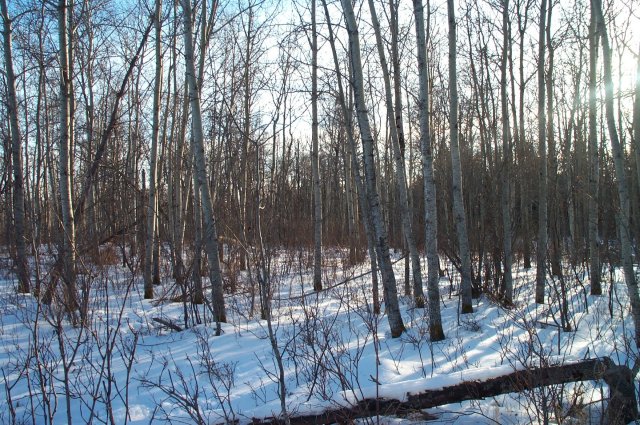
{"points": [[333, 286], [167, 323]]}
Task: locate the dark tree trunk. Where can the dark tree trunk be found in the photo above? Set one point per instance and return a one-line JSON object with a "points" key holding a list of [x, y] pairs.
{"points": [[623, 405]]}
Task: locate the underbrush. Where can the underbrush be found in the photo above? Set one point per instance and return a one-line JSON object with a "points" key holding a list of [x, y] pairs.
{"points": [[137, 361]]}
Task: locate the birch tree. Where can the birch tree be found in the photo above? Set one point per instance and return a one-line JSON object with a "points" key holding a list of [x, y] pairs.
{"points": [[210, 235], [315, 164], [624, 228], [594, 161], [436, 332], [458, 203], [636, 120], [353, 156], [16, 155], [506, 158], [394, 120], [68, 238], [541, 251], [382, 245], [152, 212]]}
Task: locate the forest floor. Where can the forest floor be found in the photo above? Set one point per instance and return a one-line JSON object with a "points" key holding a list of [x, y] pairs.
{"points": [[125, 367]]}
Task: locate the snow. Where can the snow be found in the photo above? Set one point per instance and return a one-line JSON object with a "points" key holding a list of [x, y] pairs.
{"points": [[125, 368]]}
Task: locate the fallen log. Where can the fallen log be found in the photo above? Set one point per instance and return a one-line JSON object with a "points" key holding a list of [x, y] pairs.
{"points": [[168, 323], [623, 405]]}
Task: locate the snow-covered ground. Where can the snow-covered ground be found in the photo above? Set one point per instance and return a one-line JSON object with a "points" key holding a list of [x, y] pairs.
{"points": [[124, 367]]}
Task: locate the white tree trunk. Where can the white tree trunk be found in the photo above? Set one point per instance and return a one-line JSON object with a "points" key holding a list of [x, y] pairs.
{"points": [[401, 175], [152, 213], [621, 178], [506, 158], [541, 250], [68, 238], [595, 266], [353, 156], [315, 160], [382, 247], [636, 122], [458, 203], [16, 157], [436, 332], [209, 234]]}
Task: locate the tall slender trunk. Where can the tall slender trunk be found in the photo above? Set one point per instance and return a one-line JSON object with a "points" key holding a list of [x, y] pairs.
{"points": [[523, 18], [68, 238], [152, 213], [176, 189], [553, 209], [382, 246], [161, 164], [87, 74], [458, 203], [506, 158], [40, 223], [436, 332], [210, 234], [636, 125], [196, 273], [623, 221], [572, 132], [395, 120], [16, 158], [352, 227], [353, 155], [315, 160], [246, 129], [595, 266], [541, 251]]}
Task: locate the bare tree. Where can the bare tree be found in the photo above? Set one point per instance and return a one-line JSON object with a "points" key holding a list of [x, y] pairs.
{"points": [[382, 246], [541, 251], [430, 208], [394, 120], [522, 7], [210, 234], [16, 156], [506, 157], [315, 159], [594, 162], [152, 207], [624, 228], [636, 120], [68, 238], [458, 203], [353, 156]]}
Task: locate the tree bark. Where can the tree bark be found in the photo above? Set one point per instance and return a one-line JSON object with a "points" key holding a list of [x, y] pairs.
{"points": [[624, 228], [622, 393], [636, 127], [523, 19], [541, 250], [394, 120], [152, 213], [210, 234], [353, 155], [436, 333], [636, 117], [16, 157], [315, 160], [382, 246], [458, 202], [553, 209], [595, 266], [505, 200], [68, 237]]}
